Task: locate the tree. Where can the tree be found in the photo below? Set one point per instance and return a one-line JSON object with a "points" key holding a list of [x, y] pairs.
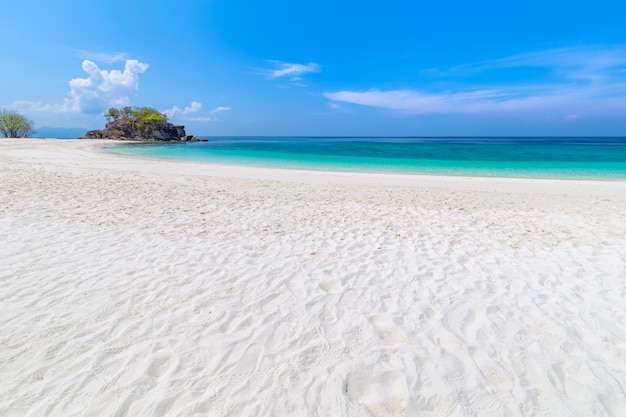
{"points": [[143, 120], [127, 113], [150, 115], [14, 125], [113, 113]]}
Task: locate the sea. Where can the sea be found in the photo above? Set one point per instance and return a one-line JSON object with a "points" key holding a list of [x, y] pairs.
{"points": [[588, 158]]}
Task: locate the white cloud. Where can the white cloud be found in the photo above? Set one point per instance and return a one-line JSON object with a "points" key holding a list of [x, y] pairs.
{"points": [[106, 57], [291, 71], [482, 102], [194, 107], [420, 102], [171, 112], [104, 88], [92, 95], [107, 81], [578, 81], [202, 119], [189, 112], [582, 62]]}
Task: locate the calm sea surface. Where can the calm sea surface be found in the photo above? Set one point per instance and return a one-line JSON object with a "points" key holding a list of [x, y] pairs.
{"points": [[571, 158]]}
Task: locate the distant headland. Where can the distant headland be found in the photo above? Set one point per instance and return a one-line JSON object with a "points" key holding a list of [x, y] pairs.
{"points": [[143, 124]]}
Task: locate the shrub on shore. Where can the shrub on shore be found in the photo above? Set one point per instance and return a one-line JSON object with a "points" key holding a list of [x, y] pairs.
{"points": [[14, 125]]}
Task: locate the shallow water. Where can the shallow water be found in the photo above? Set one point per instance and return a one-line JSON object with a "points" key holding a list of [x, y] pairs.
{"points": [[571, 158]]}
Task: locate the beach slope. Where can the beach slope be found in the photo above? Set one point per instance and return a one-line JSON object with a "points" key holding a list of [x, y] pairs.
{"points": [[138, 287]]}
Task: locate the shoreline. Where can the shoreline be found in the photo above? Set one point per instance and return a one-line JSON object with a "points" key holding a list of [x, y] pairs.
{"points": [[460, 182], [139, 286], [362, 164]]}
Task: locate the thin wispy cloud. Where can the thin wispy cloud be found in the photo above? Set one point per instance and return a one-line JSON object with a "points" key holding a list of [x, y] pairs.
{"points": [[289, 71], [220, 109], [575, 81], [104, 57], [575, 62], [482, 102]]}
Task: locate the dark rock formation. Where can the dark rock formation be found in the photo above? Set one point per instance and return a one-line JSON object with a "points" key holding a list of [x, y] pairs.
{"points": [[189, 139], [123, 129]]}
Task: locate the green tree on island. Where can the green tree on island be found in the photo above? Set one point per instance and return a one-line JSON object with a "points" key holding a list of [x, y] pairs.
{"points": [[148, 119], [141, 120], [127, 113], [139, 123], [113, 114], [14, 125]]}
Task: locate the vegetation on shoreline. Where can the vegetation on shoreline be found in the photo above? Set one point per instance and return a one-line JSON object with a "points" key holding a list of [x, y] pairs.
{"points": [[14, 125]]}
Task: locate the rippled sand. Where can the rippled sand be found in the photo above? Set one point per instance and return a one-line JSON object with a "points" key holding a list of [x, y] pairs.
{"points": [[136, 287]]}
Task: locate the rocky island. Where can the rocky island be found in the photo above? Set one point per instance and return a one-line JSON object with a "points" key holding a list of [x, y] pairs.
{"points": [[143, 124]]}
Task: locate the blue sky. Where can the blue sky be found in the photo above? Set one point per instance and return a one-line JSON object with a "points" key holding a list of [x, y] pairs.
{"points": [[273, 67]]}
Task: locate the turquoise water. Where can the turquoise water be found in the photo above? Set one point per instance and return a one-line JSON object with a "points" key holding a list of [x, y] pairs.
{"points": [[571, 158]]}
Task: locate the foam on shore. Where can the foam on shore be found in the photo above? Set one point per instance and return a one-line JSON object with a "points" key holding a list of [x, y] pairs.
{"points": [[138, 287]]}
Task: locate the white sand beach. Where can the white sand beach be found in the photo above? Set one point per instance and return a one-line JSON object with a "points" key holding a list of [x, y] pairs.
{"points": [[134, 287]]}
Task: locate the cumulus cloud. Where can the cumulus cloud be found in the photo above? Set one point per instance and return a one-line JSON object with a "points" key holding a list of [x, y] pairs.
{"points": [[194, 107], [95, 93], [578, 81], [191, 112], [104, 88]]}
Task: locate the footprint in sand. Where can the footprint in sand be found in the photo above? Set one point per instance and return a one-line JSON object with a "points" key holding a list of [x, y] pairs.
{"points": [[250, 360], [492, 371], [383, 395], [332, 286]]}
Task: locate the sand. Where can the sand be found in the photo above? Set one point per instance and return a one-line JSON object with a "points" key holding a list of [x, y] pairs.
{"points": [[133, 287]]}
